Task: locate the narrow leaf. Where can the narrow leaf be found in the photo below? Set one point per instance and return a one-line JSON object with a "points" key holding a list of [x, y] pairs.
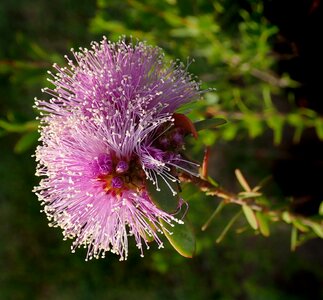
{"points": [[261, 184], [321, 209], [243, 182], [227, 228], [286, 217], [263, 224], [209, 123], [212, 181], [244, 195], [217, 211], [299, 225], [276, 123], [250, 216], [318, 229], [181, 237], [164, 199], [16, 127], [319, 128]]}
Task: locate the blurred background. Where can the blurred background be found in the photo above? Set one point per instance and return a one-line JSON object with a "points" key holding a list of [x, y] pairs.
{"points": [[264, 60]]}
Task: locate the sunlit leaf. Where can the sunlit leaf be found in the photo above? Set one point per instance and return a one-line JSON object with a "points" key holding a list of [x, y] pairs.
{"points": [[244, 195], [181, 237], [250, 216], [319, 127], [299, 225], [276, 123], [321, 209], [229, 132], [263, 224], [286, 217], [296, 120], [318, 229], [243, 182], [209, 123], [165, 198], [253, 124], [208, 138]]}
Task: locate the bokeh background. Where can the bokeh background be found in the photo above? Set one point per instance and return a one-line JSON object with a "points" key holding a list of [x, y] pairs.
{"points": [[264, 60]]}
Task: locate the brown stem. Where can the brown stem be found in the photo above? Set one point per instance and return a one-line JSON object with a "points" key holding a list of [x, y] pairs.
{"points": [[228, 197], [210, 190]]}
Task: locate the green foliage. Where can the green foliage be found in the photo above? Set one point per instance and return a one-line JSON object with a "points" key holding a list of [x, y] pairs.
{"points": [[263, 223], [182, 238], [209, 123], [240, 65], [238, 61], [250, 216], [258, 212], [228, 227], [164, 198]]}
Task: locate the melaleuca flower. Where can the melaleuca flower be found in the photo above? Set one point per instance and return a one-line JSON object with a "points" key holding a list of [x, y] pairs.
{"points": [[108, 131]]}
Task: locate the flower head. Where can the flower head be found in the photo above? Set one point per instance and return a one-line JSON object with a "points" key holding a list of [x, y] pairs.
{"points": [[107, 131]]}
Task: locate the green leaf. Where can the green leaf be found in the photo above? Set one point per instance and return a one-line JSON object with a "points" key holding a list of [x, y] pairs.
{"points": [[253, 124], [276, 123], [299, 225], [185, 32], [217, 211], [319, 128], [164, 199], [209, 123], [321, 209], [213, 182], [250, 216], [229, 132], [16, 127], [181, 237], [243, 182], [27, 141], [296, 120], [148, 237], [263, 224], [227, 228], [318, 229], [261, 184], [286, 217], [244, 195]]}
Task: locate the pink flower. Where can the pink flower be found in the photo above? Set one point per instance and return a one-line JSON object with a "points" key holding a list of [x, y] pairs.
{"points": [[106, 132]]}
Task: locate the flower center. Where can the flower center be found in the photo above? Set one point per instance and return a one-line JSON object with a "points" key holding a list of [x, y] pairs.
{"points": [[120, 174], [117, 175]]}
